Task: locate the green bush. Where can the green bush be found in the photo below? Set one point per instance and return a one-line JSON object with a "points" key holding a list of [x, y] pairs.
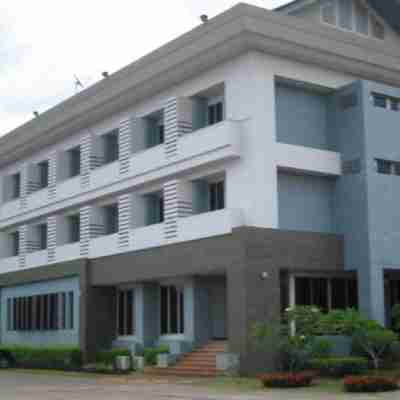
{"points": [[46, 357], [151, 353], [339, 367], [107, 357], [321, 348]]}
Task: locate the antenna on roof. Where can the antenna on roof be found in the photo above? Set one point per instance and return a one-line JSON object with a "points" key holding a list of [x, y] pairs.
{"points": [[204, 18], [105, 74], [36, 114], [78, 84]]}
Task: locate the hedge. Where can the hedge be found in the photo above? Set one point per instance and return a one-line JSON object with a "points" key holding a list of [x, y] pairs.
{"points": [[107, 357], [370, 384], [150, 354], [42, 357], [286, 380], [339, 367]]}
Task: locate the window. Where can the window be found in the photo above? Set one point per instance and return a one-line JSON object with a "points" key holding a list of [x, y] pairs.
{"points": [[111, 147], [326, 293], [215, 113], [378, 30], [126, 313], [154, 208], [42, 236], [387, 167], [217, 196], [172, 310], [14, 238], [110, 219], [41, 312], [328, 12], [379, 101], [346, 14], [74, 161], [361, 15], [12, 187], [395, 104], [74, 224], [43, 174]]}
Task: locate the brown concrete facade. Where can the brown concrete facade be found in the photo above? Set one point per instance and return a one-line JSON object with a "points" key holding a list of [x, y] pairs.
{"points": [[241, 257]]}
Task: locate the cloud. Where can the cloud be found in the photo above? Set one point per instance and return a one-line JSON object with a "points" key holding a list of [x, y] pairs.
{"points": [[44, 44]]}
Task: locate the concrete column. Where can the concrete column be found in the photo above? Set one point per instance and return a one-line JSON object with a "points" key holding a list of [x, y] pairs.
{"points": [[85, 213], [250, 96], [86, 146], [124, 223], [371, 293], [53, 175], [125, 145], [51, 237], [24, 186], [22, 245], [178, 117]]}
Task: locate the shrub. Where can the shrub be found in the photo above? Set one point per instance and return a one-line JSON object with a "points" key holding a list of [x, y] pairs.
{"points": [[294, 350], [321, 348], [107, 357], [339, 367], [151, 353], [370, 384], [375, 342], [306, 319], [396, 317], [46, 358], [286, 380]]}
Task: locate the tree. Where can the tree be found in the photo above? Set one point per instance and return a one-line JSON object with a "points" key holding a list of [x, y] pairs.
{"points": [[375, 342]]}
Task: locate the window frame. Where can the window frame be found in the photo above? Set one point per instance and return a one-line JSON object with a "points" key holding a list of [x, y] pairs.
{"points": [[165, 311], [126, 332]]}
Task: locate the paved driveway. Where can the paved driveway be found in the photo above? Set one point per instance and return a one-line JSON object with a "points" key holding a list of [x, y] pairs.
{"points": [[24, 386]]}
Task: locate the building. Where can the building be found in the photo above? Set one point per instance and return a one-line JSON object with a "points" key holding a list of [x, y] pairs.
{"points": [[248, 165]]}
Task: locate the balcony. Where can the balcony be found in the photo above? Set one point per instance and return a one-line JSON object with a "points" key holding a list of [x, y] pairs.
{"points": [[10, 208], [36, 259], [69, 188], [104, 175], [147, 236], [9, 264], [223, 138], [215, 143], [38, 199], [68, 252], [209, 224], [148, 160], [103, 246], [306, 159]]}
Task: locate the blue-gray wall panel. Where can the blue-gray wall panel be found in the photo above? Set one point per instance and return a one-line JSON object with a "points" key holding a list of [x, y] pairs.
{"points": [[302, 117], [305, 202]]}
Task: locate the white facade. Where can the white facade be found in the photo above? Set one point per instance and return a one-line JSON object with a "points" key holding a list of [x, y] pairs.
{"points": [[242, 148]]}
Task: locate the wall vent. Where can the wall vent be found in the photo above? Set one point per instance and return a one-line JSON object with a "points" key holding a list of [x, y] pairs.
{"points": [[348, 101], [350, 167]]}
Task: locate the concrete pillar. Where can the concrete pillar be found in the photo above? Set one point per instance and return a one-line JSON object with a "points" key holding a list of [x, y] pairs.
{"points": [[86, 146], [124, 223], [125, 145], [251, 97], [178, 119], [51, 238], [52, 178], [84, 214], [371, 293]]}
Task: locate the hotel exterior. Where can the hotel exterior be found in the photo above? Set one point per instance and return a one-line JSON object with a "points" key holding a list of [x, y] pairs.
{"points": [[247, 166]]}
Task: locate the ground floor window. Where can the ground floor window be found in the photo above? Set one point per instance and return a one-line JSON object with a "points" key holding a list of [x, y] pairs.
{"points": [[172, 310], [52, 311], [326, 293], [126, 313]]}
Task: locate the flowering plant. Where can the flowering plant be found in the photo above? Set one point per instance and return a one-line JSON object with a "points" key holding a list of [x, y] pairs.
{"points": [[370, 384], [289, 380]]}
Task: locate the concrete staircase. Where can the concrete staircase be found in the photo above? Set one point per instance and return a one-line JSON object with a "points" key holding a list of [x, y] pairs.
{"points": [[199, 363]]}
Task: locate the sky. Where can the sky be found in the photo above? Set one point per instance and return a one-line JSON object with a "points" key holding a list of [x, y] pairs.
{"points": [[43, 44]]}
